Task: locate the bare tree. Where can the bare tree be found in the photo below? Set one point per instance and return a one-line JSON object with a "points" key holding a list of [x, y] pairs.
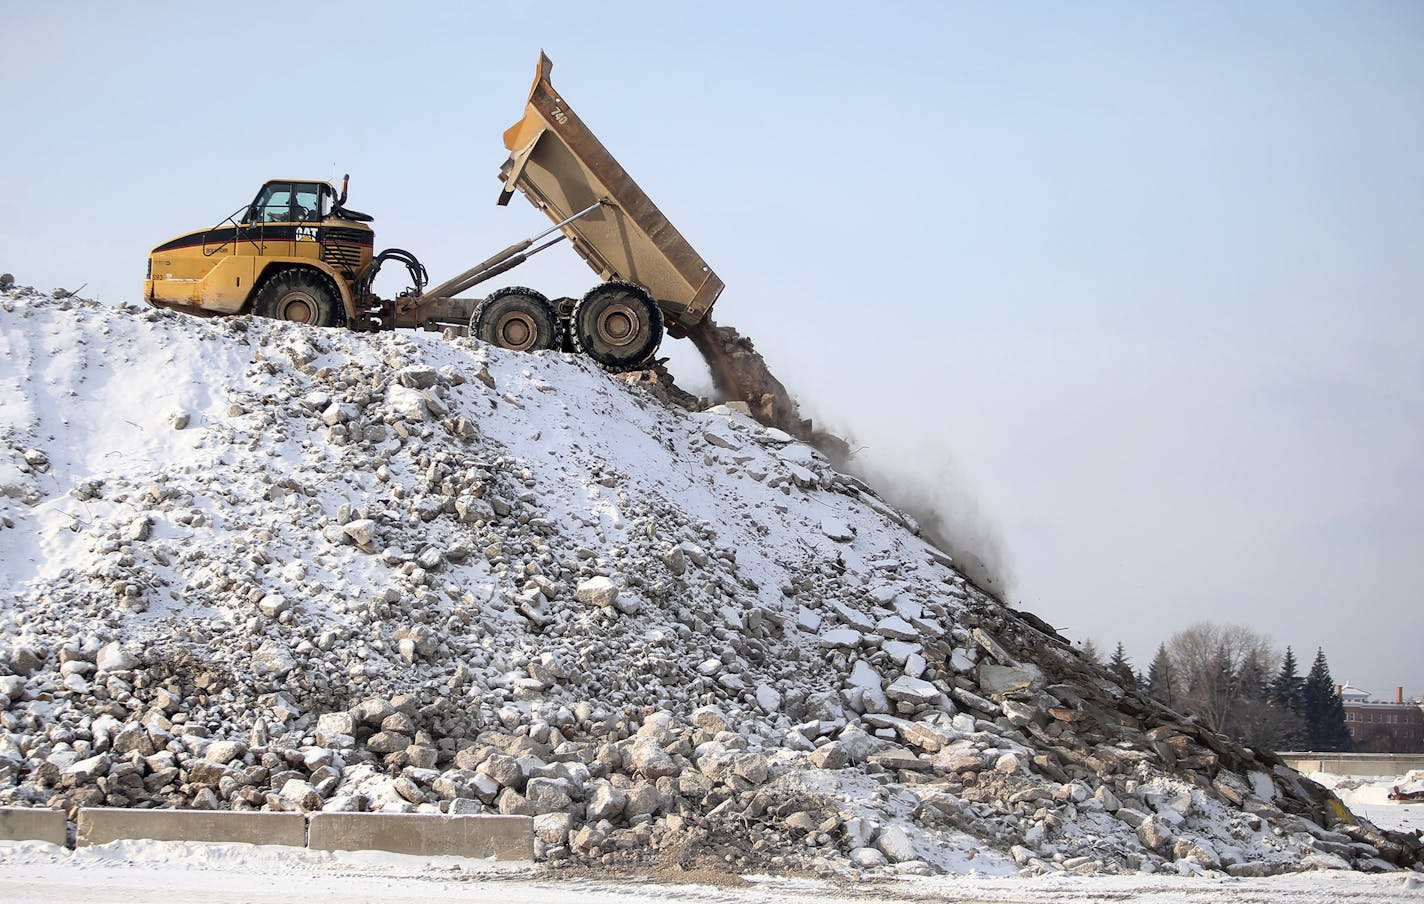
{"points": [[1210, 661]]}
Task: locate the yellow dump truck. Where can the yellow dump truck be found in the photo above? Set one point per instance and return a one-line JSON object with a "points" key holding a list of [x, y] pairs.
{"points": [[297, 252]]}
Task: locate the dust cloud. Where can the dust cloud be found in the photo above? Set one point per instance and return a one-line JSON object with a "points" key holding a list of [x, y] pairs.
{"points": [[946, 509], [949, 516]]}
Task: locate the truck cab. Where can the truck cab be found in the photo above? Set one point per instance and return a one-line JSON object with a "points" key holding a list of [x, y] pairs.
{"points": [[294, 233]]}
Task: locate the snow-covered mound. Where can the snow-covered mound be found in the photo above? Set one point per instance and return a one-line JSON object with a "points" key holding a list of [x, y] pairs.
{"points": [[252, 565]]}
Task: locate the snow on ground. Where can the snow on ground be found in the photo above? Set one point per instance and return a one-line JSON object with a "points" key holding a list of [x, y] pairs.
{"points": [[1369, 798], [178, 873]]}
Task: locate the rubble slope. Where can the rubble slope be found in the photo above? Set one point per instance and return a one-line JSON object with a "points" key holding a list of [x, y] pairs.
{"points": [[253, 565]]}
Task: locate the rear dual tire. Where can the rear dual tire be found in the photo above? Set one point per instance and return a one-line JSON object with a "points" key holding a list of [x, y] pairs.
{"points": [[518, 319], [618, 325]]}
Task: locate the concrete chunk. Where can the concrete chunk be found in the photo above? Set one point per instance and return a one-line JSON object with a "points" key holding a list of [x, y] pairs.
{"points": [[32, 824], [999, 679], [597, 591], [495, 837], [101, 825]]}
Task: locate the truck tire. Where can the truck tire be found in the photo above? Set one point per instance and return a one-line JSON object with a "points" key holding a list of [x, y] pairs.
{"points": [[518, 319], [618, 325], [299, 296]]}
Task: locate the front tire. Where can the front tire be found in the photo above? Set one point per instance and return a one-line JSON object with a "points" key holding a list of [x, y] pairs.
{"points": [[618, 325], [299, 296]]}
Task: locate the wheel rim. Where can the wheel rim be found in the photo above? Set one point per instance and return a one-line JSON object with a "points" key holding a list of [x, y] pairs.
{"points": [[298, 307], [516, 331], [617, 324]]}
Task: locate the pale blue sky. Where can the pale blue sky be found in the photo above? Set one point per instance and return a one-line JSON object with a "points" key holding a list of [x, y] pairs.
{"points": [[1146, 279]]}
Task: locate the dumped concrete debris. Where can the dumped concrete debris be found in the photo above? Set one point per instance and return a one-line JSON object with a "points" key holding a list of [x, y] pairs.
{"points": [[739, 372], [250, 565]]}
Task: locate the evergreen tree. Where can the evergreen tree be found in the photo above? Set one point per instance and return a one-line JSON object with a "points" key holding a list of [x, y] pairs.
{"points": [[1089, 651], [1280, 724], [1255, 720], [1121, 666], [1159, 677], [1324, 711], [1288, 688]]}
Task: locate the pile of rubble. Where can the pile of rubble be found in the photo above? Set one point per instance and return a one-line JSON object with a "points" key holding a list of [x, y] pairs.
{"points": [[250, 565]]}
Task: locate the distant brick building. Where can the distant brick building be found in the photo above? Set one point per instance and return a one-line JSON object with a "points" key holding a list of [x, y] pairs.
{"points": [[1379, 727]]}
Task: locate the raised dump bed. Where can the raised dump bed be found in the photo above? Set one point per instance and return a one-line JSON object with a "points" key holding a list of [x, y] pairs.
{"points": [[563, 169]]}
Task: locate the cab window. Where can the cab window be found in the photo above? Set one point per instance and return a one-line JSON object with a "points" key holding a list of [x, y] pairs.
{"points": [[287, 202]]}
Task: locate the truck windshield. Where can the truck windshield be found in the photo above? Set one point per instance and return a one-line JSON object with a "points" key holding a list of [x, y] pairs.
{"points": [[287, 202]]}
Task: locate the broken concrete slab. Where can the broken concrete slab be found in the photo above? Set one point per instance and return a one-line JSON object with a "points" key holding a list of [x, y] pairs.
{"points": [[999, 679]]}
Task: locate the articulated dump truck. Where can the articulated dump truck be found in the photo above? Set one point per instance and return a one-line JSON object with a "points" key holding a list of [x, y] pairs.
{"points": [[297, 252]]}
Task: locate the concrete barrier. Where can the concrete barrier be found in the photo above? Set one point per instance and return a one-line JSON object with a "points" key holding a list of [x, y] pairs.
{"points": [[100, 825], [497, 837], [33, 824], [1362, 764]]}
